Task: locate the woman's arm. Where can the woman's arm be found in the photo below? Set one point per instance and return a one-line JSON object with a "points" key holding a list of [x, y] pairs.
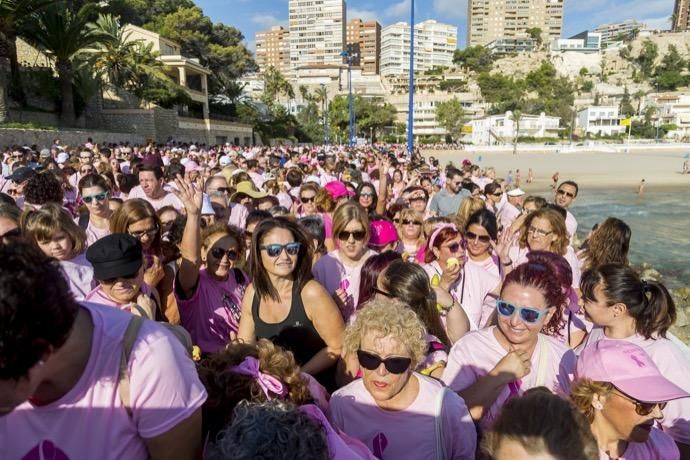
{"points": [[322, 311], [247, 332], [188, 274], [383, 166]]}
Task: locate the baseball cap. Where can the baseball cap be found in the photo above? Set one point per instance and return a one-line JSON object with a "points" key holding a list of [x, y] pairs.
{"points": [[21, 174], [629, 368], [337, 189], [382, 232], [516, 192], [45, 153], [115, 256]]}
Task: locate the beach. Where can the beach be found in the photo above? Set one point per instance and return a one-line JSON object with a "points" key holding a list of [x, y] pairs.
{"points": [[608, 168]]}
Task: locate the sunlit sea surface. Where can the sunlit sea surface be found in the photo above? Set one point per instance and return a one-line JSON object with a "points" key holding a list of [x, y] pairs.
{"points": [[660, 224]]}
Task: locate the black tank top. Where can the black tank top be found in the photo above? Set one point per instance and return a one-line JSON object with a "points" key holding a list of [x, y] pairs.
{"points": [[296, 333]]}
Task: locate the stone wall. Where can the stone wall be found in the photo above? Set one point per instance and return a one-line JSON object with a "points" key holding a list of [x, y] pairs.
{"points": [[43, 138], [29, 116], [135, 121]]}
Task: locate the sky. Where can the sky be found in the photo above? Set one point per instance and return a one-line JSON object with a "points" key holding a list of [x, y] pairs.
{"points": [[251, 16]]}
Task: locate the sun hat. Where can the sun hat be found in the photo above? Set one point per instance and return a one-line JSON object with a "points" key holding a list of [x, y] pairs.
{"points": [[629, 368], [382, 232], [63, 157], [115, 256], [516, 192], [191, 166], [224, 160], [247, 188], [337, 190]]}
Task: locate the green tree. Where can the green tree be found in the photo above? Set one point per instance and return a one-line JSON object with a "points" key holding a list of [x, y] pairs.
{"points": [[62, 33], [474, 58], [451, 116], [669, 74], [516, 116], [587, 86], [626, 108], [647, 57], [536, 34], [502, 92]]}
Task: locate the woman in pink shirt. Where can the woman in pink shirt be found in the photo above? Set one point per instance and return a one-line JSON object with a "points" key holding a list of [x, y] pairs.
{"points": [[445, 243], [489, 366], [626, 308], [53, 231], [396, 412], [409, 227], [208, 287], [339, 271], [623, 394], [95, 193]]}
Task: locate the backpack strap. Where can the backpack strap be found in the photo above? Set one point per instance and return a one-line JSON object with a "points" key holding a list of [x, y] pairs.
{"points": [[544, 351], [84, 220], [438, 426], [127, 344]]}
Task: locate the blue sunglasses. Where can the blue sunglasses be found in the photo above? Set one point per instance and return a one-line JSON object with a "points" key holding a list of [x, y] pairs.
{"points": [[527, 314]]}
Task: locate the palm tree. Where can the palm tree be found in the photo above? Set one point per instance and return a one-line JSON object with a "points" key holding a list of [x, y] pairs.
{"points": [[11, 13], [62, 34], [516, 117]]}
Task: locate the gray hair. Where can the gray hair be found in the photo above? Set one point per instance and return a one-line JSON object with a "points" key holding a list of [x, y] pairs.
{"points": [[274, 429]]}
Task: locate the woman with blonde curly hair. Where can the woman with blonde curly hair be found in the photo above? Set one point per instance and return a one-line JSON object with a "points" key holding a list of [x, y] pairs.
{"points": [[395, 411]]}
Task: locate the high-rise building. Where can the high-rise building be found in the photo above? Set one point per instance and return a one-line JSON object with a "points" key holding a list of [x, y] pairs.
{"points": [[273, 50], [611, 33], [317, 32], [364, 42], [489, 20], [435, 43], [681, 13]]}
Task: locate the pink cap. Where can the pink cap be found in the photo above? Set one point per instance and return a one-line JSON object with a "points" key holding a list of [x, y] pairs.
{"points": [[337, 189], [191, 166], [382, 233], [629, 368]]}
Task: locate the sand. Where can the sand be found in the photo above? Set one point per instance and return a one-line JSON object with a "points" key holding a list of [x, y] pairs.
{"points": [[661, 167]]}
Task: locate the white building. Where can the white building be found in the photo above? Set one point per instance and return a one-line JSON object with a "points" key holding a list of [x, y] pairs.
{"points": [[425, 123], [674, 108], [601, 120], [435, 44], [610, 33], [317, 32], [585, 42], [500, 129]]}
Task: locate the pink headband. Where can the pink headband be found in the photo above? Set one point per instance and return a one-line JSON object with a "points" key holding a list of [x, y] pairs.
{"points": [[438, 230], [268, 383]]}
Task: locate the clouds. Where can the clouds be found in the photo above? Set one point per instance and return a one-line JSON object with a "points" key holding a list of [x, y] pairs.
{"points": [[455, 9], [363, 14], [398, 10]]}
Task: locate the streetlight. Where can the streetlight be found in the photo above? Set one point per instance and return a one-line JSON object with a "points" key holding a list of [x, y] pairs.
{"points": [[324, 109], [410, 117], [658, 118], [349, 57]]}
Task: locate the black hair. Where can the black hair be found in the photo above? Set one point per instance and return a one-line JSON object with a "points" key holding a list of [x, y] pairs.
{"points": [[560, 210], [485, 219], [93, 180], [572, 184], [256, 216], [127, 182], [315, 228], [43, 188]]}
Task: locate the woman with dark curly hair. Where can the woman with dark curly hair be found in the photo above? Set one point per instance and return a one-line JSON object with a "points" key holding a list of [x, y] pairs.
{"points": [[489, 366], [41, 189], [608, 244]]}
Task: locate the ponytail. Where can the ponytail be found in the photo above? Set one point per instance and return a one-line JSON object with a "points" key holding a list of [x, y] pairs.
{"points": [[660, 311]]}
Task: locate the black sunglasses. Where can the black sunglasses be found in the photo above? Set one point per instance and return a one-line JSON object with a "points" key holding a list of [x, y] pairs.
{"points": [[453, 247], [274, 250], [218, 253], [305, 199], [358, 235], [371, 362], [408, 222], [568, 194], [482, 238], [642, 408]]}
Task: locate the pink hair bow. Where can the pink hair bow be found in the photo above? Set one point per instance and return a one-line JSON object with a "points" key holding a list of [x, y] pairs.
{"points": [[268, 383]]}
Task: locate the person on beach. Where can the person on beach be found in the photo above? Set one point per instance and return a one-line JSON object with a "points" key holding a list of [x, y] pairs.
{"points": [[640, 188]]}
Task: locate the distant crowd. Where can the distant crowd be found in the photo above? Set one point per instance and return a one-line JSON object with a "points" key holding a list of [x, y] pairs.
{"points": [[325, 302]]}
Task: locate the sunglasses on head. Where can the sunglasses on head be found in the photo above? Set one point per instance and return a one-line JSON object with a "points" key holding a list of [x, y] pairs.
{"points": [[372, 362], [410, 222], [527, 314], [642, 408], [358, 235], [382, 292], [98, 197], [568, 194], [218, 253], [274, 250], [482, 238], [306, 199]]}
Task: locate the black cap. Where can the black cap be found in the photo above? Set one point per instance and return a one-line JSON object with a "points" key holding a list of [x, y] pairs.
{"points": [[21, 174], [115, 256]]}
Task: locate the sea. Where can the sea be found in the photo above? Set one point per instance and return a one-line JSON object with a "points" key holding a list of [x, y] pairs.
{"points": [[660, 223]]}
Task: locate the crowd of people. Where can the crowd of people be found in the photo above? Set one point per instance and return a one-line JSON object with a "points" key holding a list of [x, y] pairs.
{"points": [[184, 301]]}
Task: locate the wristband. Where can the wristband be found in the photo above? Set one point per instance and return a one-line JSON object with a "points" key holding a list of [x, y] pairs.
{"points": [[506, 264]]}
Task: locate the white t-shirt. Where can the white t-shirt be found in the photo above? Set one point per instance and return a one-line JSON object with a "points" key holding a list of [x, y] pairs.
{"points": [[79, 273], [570, 224], [90, 420], [410, 433], [168, 199]]}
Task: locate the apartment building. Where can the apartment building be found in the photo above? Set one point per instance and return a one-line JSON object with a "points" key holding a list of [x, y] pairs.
{"points": [[435, 44], [501, 129], [489, 20], [317, 32], [273, 50], [611, 33], [364, 42], [681, 13], [601, 120]]}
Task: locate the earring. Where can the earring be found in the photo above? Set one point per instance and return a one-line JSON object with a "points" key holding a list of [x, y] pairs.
{"points": [[597, 405]]}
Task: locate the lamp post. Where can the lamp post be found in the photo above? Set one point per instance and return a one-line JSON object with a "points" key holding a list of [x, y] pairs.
{"points": [[324, 109], [658, 119], [349, 57], [410, 117]]}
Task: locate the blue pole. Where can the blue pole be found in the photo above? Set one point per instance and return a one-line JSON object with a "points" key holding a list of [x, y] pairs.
{"points": [[325, 111], [352, 112], [410, 118]]}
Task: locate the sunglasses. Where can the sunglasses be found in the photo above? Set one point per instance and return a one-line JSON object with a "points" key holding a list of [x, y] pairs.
{"points": [[274, 250], [124, 277], [417, 198], [396, 221], [218, 253], [14, 233], [150, 232], [568, 194], [539, 233], [372, 362], [410, 222], [358, 235], [366, 194], [453, 247], [482, 238], [497, 194], [85, 171], [642, 408], [527, 314], [306, 199], [98, 197], [221, 190]]}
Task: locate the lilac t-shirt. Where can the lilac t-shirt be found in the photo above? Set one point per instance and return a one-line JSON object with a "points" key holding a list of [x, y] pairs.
{"points": [[476, 353], [213, 311], [90, 420], [674, 364], [659, 446], [168, 199], [238, 215], [410, 433], [518, 256], [94, 233], [480, 279], [79, 274]]}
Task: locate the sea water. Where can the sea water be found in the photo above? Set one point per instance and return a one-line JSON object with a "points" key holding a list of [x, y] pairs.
{"points": [[660, 223]]}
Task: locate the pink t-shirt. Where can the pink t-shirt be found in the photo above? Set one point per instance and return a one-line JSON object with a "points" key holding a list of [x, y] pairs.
{"points": [[659, 446], [674, 364], [213, 311], [480, 279], [94, 234], [79, 274], [238, 215], [410, 433], [333, 274], [90, 420], [168, 199], [476, 354]]}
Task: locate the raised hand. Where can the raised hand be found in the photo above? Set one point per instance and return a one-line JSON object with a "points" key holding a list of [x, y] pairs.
{"points": [[190, 195], [506, 240]]}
